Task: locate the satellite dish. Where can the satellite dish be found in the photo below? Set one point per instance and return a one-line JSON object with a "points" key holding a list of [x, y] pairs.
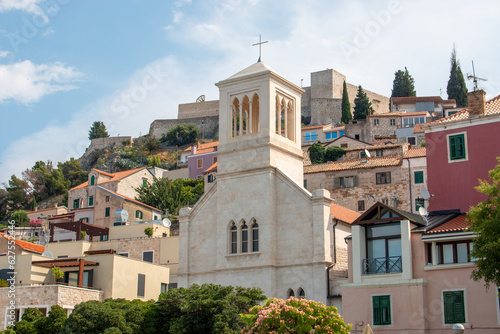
{"points": [[48, 254], [367, 153], [423, 211], [166, 222], [201, 98], [121, 215], [425, 193]]}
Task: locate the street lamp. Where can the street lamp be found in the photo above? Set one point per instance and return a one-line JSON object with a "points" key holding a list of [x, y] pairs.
{"points": [[458, 329]]}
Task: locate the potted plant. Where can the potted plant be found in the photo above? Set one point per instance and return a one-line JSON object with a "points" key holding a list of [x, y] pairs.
{"points": [[57, 273], [148, 231]]}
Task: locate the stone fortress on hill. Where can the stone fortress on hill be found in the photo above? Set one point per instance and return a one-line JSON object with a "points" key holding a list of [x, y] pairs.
{"points": [[321, 104]]}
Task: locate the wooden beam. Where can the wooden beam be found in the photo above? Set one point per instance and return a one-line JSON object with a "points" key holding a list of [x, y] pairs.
{"points": [[80, 272]]}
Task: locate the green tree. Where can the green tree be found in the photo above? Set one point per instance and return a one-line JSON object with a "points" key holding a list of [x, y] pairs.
{"points": [[27, 323], [208, 308], [316, 153], [72, 171], [456, 88], [170, 195], [484, 219], [4, 197], [20, 217], [45, 180], [294, 315], [333, 153], [151, 143], [362, 105], [403, 84], [98, 130], [19, 193], [53, 322], [346, 106], [181, 134]]}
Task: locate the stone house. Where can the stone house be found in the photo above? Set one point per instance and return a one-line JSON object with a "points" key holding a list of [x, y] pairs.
{"points": [[45, 214], [320, 133], [432, 104]]}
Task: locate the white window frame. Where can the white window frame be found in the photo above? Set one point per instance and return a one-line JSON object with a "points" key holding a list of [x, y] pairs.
{"points": [[392, 309], [465, 307], [150, 250], [465, 144]]}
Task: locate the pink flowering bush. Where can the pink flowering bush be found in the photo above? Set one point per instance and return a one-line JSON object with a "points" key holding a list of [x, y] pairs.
{"points": [[294, 316], [35, 223]]}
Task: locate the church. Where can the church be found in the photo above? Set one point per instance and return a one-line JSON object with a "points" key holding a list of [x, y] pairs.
{"points": [[258, 226]]}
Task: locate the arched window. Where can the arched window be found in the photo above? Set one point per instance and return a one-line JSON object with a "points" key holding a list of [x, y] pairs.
{"points": [[255, 237], [244, 238], [236, 118], [290, 293], [302, 293], [92, 180], [234, 238], [254, 128]]}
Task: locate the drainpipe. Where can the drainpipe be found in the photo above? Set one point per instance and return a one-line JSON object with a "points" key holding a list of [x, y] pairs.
{"points": [[409, 180], [328, 295]]}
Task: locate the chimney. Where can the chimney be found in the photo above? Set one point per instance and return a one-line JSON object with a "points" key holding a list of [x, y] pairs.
{"points": [[193, 150], [476, 101], [36, 209]]}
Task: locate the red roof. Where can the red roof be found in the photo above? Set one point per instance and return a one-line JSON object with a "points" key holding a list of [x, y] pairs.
{"points": [[334, 166], [343, 214], [415, 153], [201, 146], [491, 107], [29, 246], [456, 224], [114, 176], [212, 168], [411, 99]]}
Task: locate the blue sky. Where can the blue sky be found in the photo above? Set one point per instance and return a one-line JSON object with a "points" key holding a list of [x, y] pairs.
{"points": [[67, 63]]}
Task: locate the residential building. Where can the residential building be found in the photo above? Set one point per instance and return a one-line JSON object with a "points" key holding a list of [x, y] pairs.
{"points": [[321, 133], [202, 157], [461, 149], [432, 104], [45, 214], [411, 274]]}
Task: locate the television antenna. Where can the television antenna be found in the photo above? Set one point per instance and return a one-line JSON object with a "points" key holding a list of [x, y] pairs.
{"points": [[474, 78]]}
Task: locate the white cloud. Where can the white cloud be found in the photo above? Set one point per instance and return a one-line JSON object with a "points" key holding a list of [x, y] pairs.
{"points": [[4, 54], [27, 6], [27, 82]]}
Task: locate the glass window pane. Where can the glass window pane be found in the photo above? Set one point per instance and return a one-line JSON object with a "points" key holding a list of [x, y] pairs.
{"points": [[462, 253], [376, 248], [383, 230], [448, 253], [394, 246]]}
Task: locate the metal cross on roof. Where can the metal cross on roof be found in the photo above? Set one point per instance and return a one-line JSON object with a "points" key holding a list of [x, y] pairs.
{"points": [[260, 46]]}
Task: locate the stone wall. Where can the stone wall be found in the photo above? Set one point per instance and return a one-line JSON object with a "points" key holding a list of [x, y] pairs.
{"points": [[380, 103], [325, 111], [211, 125], [102, 143], [198, 109]]}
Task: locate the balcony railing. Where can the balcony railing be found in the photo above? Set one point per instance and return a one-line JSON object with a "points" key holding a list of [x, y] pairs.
{"points": [[382, 265]]}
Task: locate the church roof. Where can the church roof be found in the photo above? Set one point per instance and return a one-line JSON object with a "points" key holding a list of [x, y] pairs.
{"points": [[258, 67]]}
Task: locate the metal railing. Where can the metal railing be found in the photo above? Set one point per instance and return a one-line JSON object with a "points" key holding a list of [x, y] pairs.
{"points": [[382, 265]]}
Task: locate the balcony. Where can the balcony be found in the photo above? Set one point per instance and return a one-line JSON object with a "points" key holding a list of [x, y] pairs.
{"points": [[382, 265]]}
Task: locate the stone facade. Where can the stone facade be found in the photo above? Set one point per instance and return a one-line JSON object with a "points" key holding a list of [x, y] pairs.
{"points": [[103, 143], [198, 109], [208, 126]]}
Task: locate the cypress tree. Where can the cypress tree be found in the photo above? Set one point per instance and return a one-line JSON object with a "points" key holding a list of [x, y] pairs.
{"points": [[362, 105], [403, 84], [346, 106], [456, 88]]}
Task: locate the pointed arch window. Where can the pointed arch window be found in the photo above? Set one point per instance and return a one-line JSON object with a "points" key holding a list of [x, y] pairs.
{"points": [[255, 237], [244, 238], [302, 293], [92, 180], [234, 238], [291, 293]]}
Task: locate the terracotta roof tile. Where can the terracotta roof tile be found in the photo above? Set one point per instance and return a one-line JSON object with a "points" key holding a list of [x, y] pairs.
{"points": [[202, 146], [211, 169], [129, 199], [491, 107], [415, 153], [450, 101], [390, 114], [456, 224], [114, 176], [410, 99], [26, 245], [388, 161], [206, 150], [343, 214]]}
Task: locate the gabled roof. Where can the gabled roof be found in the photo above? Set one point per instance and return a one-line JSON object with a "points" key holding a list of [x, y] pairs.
{"points": [[128, 198], [491, 107], [211, 169], [454, 225], [343, 214], [29, 246], [346, 136], [389, 161], [202, 146], [415, 153], [379, 213], [114, 176], [413, 99], [258, 67]]}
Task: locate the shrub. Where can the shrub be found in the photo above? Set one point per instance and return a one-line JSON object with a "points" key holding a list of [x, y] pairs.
{"points": [[294, 315], [333, 153], [181, 134], [317, 153], [149, 231]]}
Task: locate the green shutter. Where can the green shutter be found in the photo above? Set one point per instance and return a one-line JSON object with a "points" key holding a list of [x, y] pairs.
{"points": [[336, 182], [91, 200], [305, 183], [419, 177], [376, 311], [454, 307], [381, 310], [457, 147]]}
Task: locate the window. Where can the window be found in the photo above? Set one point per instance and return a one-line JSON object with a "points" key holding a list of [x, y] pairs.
{"points": [[91, 200], [381, 310], [411, 140], [244, 238], [452, 112], [84, 219], [199, 163], [291, 293], [76, 203], [419, 203], [106, 212], [376, 122], [172, 286], [411, 121], [393, 122], [107, 198], [214, 160], [164, 287], [454, 252], [255, 237], [341, 133], [454, 307], [305, 184], [345, 181], [124, 254], [328, 135], [383, 249], [141, 284], [385, 201], [419, 177], [356, 137], [302, 293], [138, 214], [92, 180], [144, 182], [361, 205], [147, 256], [234, 239], [457, 146], [311, 136], [344, 145], [383, 178], [379, 153], [211, 178], [155, 217]]}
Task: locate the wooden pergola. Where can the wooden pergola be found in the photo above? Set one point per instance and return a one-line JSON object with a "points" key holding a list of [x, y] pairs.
{"points": [[78, 227], [80, 263]]}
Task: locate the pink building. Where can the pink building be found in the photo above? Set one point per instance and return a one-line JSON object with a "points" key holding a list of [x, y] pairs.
{"points": [[461, 149], [202, 157], [410, 274]]}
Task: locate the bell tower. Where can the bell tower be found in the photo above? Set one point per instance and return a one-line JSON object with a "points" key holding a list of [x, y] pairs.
{"points": [[259, 123]]}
